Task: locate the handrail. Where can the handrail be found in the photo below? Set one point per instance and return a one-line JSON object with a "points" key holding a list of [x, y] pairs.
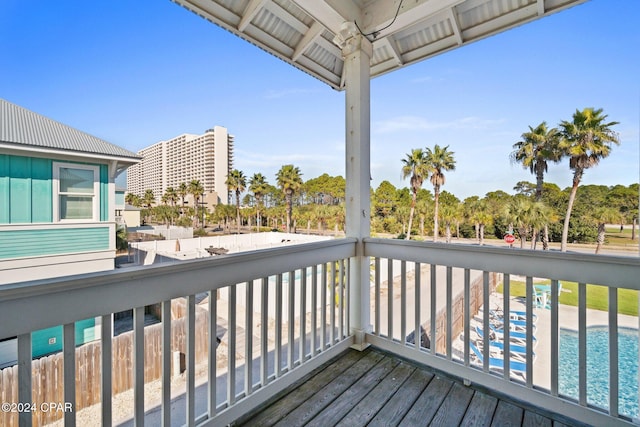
{"points": [[615, 271], [68, 299]]}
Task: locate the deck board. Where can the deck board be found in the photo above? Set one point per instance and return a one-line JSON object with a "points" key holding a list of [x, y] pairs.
{"points": [[399, 404], [325, 396], [369, 406], [374, 388], [480, 411], [454, 407], [344, 403], [427, 404], [507, 415]]}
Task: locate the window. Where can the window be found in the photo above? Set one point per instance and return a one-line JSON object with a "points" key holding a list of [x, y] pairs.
{"points": [[76, 192]]}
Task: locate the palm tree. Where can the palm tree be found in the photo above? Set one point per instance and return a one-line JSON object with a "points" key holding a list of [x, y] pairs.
{"points": [[449, 214], [131, 199], [171, 196], [196, 189], [289, 180], [237, 182], [585, 140], [414, 166], [258, 186], [149, 198], [479, 213], [183, 190], [537, 148], [437, 161], [519, 213], [603, 216]]}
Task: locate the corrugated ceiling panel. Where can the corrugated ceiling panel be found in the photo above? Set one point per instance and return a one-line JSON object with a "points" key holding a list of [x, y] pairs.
{"points": [[324, 57], [475, 12]]}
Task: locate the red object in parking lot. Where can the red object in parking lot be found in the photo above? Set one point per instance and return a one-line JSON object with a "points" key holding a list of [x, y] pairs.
{"points": [[509, 238]]}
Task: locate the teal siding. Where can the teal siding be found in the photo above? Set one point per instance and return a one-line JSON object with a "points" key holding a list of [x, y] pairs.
{"points": [[25, 190], [20, 189], [25, 243], [4, 189], [47, 341], [41, 191]]}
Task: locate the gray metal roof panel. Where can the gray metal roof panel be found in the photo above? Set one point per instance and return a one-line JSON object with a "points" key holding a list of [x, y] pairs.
{"points": [[24, 127]]}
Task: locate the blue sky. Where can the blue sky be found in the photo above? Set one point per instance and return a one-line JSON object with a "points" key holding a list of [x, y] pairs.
{"points": [[137, 72]]}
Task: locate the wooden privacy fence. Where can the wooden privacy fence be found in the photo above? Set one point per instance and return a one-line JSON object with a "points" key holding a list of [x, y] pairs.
{"points": [[457, 311], [47, 372]]}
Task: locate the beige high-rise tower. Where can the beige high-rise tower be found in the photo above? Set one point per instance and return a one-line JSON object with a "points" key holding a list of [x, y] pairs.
{"points": [[207, 158]]}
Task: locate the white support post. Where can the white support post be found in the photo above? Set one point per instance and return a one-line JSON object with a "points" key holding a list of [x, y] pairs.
{"points": [[357, 51]]}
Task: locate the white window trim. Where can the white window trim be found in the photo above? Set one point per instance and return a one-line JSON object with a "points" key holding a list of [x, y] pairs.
{"points": [[56, 191]]}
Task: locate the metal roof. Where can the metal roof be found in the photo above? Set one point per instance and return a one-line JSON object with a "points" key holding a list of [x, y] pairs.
{"points": [[301, 32], [28, 129]]}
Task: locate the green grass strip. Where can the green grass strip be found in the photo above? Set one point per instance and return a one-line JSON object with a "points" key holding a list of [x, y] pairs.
{"points": [[597, 296]]}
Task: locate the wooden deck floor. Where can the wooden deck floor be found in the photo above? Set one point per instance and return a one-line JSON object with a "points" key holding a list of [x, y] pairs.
{"points": [[373, 388]]}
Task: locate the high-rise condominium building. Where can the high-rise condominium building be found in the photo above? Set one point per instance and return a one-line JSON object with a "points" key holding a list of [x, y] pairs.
{"points": [[207, 158]]}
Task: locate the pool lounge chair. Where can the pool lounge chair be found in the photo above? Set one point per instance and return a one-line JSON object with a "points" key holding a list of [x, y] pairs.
{"points": [[514, 336], [513, 315], [516, 326], [514, 348], [498, 363]]}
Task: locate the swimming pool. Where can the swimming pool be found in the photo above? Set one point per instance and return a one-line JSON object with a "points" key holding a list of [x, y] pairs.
{"points": [[598, 367]]}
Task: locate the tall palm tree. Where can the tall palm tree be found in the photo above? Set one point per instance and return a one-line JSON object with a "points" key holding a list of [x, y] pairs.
{"points": [[538, 147], [437, 161], [196, 189], [237, 182], [414, 166], [258, 186], [585, 140], [148, 199], [289, 180], [182, 192]]}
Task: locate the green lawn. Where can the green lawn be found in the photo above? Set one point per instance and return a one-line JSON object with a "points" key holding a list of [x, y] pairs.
{"points": [[597, 296], [614, 236]]}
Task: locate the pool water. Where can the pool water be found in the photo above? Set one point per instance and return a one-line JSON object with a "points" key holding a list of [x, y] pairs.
{"points": [[598, 368]]}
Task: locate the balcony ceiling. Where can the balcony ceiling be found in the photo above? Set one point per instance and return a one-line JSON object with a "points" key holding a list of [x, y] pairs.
{"points": [[301, 32]]}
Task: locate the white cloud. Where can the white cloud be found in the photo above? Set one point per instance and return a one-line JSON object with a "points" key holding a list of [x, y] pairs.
{"points": [[413, 123]]}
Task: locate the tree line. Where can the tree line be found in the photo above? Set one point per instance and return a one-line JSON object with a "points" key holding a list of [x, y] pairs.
{"points": [[532, 214]]}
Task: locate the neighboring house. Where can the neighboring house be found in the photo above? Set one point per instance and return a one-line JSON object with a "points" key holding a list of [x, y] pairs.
{"points": [[126, 214], [57, 200], [57, 197], [131, 216]]}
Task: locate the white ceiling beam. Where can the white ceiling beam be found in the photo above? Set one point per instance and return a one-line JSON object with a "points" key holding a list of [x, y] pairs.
{"points": [[391, 44], [250, 12], [309, 38], [541, 8], [455, 25], [322, 12], [381, 13]]}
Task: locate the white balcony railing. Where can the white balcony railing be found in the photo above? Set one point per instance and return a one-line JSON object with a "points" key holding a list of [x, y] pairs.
{"points": [[280, 313], [446, 289], [294, 315]]}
